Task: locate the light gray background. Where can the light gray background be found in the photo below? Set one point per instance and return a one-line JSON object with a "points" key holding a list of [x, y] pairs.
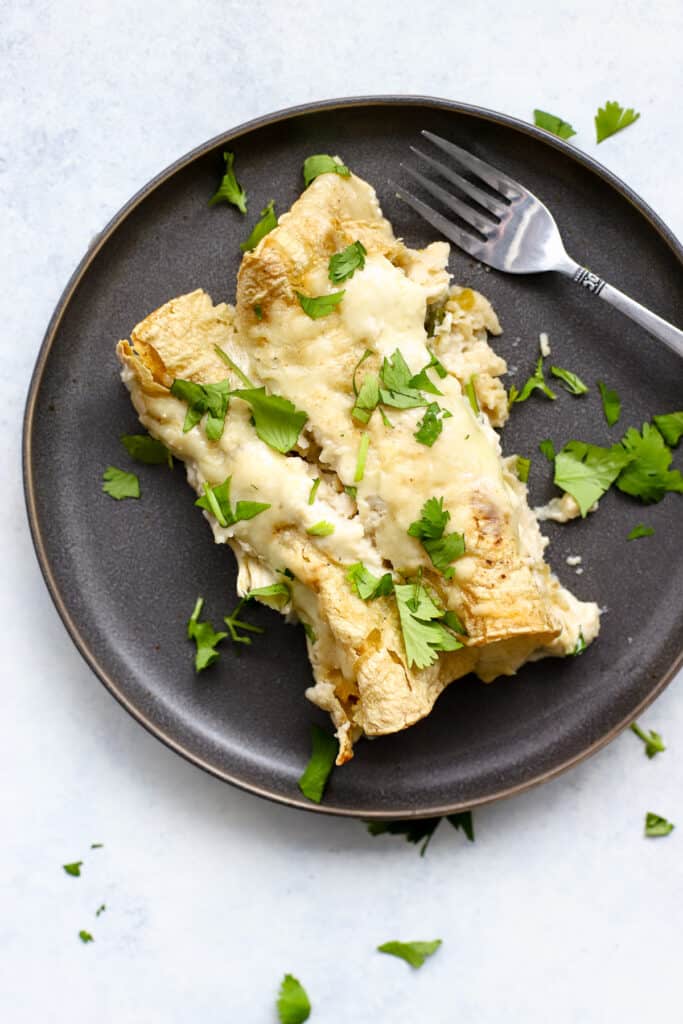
{"points": [[561, 911]]}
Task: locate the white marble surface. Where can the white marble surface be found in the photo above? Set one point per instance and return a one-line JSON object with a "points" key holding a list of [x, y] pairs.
{"points": [[561, 910]]}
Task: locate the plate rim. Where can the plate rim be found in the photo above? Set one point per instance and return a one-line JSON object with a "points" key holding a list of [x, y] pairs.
{"points": [[83, 266]]}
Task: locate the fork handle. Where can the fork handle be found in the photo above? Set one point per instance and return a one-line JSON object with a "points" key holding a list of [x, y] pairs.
{"points": [[662, 329]]}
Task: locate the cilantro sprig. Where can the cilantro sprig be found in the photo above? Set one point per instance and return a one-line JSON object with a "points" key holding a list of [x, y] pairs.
{"points": [[205, 638], [647, 475], [654, 744], [422, 620], [613, 118], [442, 548], [230, 190], [536, 382], [414, 953], [209, 399], [217, 501]]}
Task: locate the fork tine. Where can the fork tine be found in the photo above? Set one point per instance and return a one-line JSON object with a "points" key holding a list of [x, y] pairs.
{"points": [[464, 210], [469, 243], [485, 199], [507, 187]]}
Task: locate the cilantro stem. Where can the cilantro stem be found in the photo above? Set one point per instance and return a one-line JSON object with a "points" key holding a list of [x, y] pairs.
{"points": [[214, 506], [472, 394], [233, 366]]}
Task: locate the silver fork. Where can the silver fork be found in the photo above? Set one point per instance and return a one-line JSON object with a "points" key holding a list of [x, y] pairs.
{"points": [[513, 230]]}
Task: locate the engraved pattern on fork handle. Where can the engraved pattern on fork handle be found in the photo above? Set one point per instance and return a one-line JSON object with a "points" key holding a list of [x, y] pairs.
{"points": [[589, 280]]}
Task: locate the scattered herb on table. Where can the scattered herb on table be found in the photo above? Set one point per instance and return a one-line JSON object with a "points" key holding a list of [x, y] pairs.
{"points": [[414, 953], [613, 118], [647, 475], [640, 531], [534, 383], [73, 869], [654, 744], [655, 825], [85, 936], [229, 190], [293, 1005]]}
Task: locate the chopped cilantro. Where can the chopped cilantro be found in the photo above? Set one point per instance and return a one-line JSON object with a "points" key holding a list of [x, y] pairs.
{"points": [[324, 748], [146, 449], [586, 471], [293, 1005], [655, 825], [321, 529], [429, 529], [522, 467], [670, 426], [553, 123], [258, 311], [235, 624], [273, 590], [309, 631], [74, 868], [580, 645], [119, 484], [319, 305], [397, 390], [451, 620], [471, 392], [211, 399], [431, 424], [647, 475], [205, 638], [344, 264], [366, 585], [611, 119], [434, 318], [101, 909], [276, 420], [85, 936], [421, 830], [96, 846], [611, 404], [423, 635], [654, 744], [572, 382], [640, 531], [229, 190], [367, 398], [217, 501], [314, 490], [422, 382], [263, 226], [535, 383], [351, 491], [362, 457], [321, 163], [547, 448], [414, 953]]}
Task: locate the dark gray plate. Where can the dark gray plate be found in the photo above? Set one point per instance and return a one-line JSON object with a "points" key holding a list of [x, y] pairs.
{"points": [[124, 576]]}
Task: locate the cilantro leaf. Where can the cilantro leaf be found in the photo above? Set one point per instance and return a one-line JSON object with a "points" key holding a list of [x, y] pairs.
{"points": [[647, 475], [344, 264], [235, 624], [611, 404], [553, 123], [429, 529], [421, 830], [321, 529], [414, 953], [611, 119], [423, 637], [422, 382], [85, 936], [321, 163], [314, 490], [258, 311], [229, 190], [276, 420], [655, 825], [366, 585], [293, 1006], [119, 484], [640, 531], [233, 366], [522, 467], [586, 471], [547, 448], [217, 501], [431, 424], [319, 305], [263, 226], [580, 645], [279, 589], [535, 383], [654, 744], [211, 399], [324, 748], [572, 382], [362, 457], [367, 398], [434, 317], [397, 390], [73, 869], [470, 391], [670, 426], [146, 449], [205, 638], [101, 909]]}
